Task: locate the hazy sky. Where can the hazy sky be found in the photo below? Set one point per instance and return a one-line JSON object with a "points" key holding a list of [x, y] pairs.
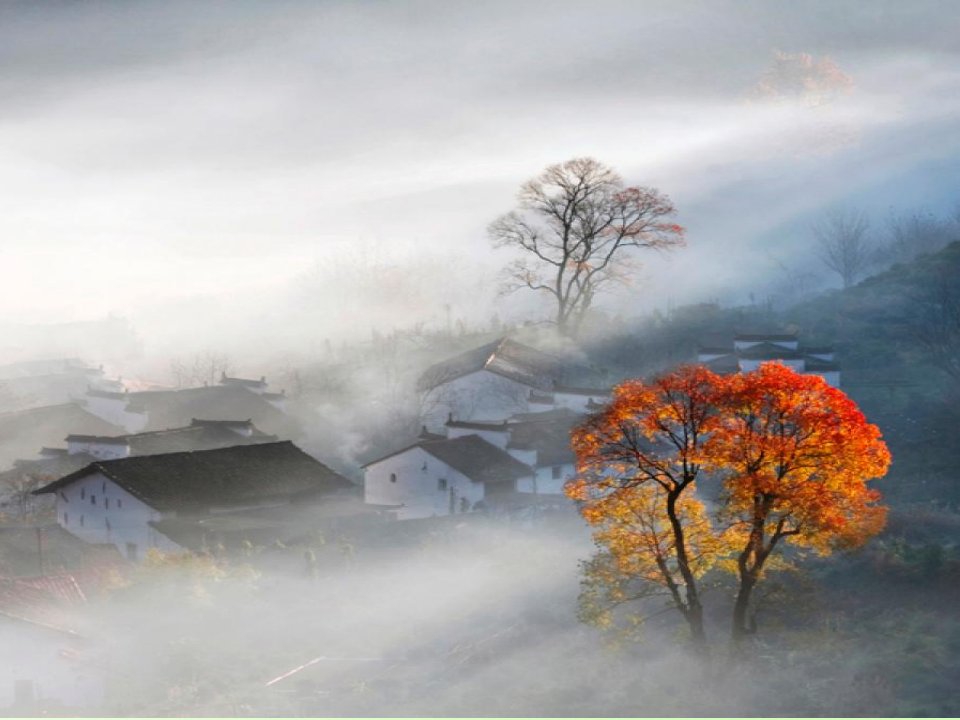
{"points": [[162, 153]]}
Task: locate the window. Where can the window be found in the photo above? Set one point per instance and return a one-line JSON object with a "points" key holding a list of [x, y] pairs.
{"points": [[106, 503], [81, 521], [119, 503], [93, 499], [83, 493], [103, 487], [442, 484], [106, 524], [66, 519], [393, 477], [555, 472], [64, 496]]}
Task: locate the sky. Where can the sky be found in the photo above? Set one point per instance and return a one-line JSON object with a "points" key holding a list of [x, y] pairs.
{"points": [[187, 164]]}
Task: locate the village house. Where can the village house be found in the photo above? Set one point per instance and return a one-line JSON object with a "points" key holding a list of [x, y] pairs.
{"points": [[486, 383], [748, 351], [476, 465], [445, 476], [23, 431], [84, 449], [120, 501], [137, 411], [498, 380], [38, 383]]}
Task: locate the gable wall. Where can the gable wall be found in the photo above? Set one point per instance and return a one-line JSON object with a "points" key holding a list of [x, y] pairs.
{"points": [[481, 395], [417, 485], [111, 515]]}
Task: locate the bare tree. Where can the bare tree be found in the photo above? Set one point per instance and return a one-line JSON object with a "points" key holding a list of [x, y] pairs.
{"points": [[917, 233], [575, 224], [204, 369], [844, 245]]}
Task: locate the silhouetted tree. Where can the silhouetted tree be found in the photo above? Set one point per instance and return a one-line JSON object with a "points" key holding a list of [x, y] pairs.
{"points": [[843, 244], [575, 225]]}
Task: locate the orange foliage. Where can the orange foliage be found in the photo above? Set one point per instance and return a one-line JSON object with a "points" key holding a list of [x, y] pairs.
{"points": [[797, 454], [793, 454]]}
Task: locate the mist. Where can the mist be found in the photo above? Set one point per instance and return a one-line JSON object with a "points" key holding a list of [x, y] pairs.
{"points": [[234, 224]]}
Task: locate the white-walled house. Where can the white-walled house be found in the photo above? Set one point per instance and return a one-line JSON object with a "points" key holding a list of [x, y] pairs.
{"points": [[116, 408], [540, 440], [443, 477], [198, 435], [748, 351], [486, 383], [119, 501]]}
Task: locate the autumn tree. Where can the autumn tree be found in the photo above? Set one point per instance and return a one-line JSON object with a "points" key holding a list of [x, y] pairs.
{"points": [[638, 461], [791, 455], [576, 227], [796, 455], [844, 244]]}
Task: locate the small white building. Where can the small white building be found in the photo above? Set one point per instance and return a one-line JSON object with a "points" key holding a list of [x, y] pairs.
{"points": [[446, 476], [748, 351], [116, 408], [118, 501], [487, 383]]}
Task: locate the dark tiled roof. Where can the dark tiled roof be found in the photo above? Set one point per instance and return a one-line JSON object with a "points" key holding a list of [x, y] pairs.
{"points": [[264, 526], [820, 366], [246, 382], [550, 440], [724, 365], [100, 439], [768, 351], [471, 455], [176, 408], [42, 426], [107, 394], [210, 478], [504, 357], [555, 415], [765, 337], [568, 390], [478, 425], [477, 459], [199, 435]]}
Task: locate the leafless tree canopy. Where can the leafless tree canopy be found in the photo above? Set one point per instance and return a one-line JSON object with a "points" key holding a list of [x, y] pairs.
{"points": [[844, 244], [918, 233], [575, 224]]}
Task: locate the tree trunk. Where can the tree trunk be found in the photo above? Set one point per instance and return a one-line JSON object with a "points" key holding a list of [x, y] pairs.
{"points": [[741, 627]]}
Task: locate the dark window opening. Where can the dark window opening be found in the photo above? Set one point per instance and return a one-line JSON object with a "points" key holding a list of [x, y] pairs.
{"points": [[555, 472], [83, 493], [442, 484], [93, 499], [119, 503], [106, 503], [393, 477], [64, 496]]}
